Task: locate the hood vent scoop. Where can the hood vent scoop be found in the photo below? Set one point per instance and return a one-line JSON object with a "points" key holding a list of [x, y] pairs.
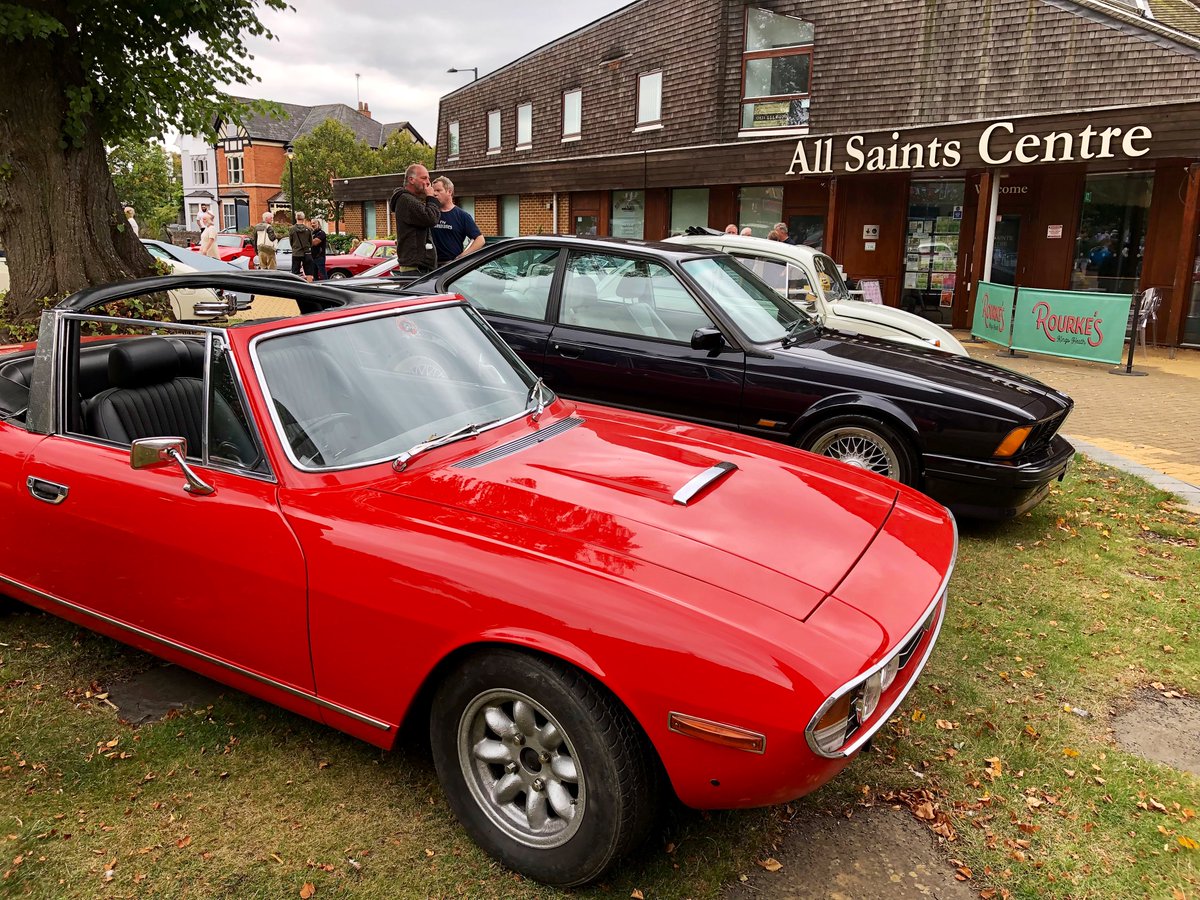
{"points": [[530, 440], [687, 493]]}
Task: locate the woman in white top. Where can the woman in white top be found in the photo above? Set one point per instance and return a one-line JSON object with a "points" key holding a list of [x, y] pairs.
{"points": [[208, 237], [132, 222]]}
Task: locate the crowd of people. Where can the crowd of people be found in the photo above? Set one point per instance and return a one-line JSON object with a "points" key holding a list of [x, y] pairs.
{"points": [[778, 232]]}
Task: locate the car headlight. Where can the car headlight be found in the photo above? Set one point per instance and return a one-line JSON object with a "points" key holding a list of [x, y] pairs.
{"points": [[888, 675]]}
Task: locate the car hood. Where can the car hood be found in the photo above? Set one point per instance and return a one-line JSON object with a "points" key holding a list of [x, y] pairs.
{"points": [[844, 313], [913, 371], [783, 529]]}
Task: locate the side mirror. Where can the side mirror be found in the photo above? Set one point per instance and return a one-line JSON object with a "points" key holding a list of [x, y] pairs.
{"points": [[707, 339], [150, 453], [225, 305]]}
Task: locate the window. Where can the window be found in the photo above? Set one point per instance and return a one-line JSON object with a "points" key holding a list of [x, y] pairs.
{"points": [[628, 296], [233, 166], [689, 206], [572, 116], [453, 140], [510, 216], [1113, 222], [200, 169], [649, 99], [760, 208], [628, 214], [515, 283], [494, 131], [786, 278], [228, 216], [776, 70], [524, 126]]}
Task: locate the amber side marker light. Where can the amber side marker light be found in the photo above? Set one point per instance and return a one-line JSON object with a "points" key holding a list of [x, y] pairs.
{"points": [[1013, 442], [716, 733]]}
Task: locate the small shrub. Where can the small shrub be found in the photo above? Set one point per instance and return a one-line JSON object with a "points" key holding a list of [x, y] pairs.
{"points": [[340, 243]]}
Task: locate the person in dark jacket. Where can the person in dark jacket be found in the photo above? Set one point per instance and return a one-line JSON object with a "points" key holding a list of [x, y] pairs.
{"points": [[417, 211], [319, 239], [300, 238]]}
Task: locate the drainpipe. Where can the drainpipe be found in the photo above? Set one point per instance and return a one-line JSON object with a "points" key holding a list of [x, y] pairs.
{"points": [[554, 206]]}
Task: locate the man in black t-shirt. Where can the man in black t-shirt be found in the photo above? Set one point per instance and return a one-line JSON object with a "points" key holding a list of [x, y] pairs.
{"points": [[454, 226]]}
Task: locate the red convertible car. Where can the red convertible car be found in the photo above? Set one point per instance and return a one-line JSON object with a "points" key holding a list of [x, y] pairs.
{"points": [[584, 606], [366, 255]]}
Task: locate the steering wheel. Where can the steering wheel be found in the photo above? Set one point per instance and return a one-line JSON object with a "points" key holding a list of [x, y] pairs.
{"points": [[325, 436]]}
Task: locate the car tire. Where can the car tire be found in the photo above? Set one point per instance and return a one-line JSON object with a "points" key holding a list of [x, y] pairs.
{"points": [[338, 275], [865, 443], [547, 772]]}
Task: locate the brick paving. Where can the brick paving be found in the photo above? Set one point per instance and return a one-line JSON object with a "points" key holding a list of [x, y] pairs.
{"points": [[1148, 425]]}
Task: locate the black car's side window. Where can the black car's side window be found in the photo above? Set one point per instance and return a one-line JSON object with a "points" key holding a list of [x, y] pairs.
{"points": [[515, 283], [628, 296]]}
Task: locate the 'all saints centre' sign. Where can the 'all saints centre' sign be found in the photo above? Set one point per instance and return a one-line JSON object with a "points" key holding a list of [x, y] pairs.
{"points": [[999, 145]]}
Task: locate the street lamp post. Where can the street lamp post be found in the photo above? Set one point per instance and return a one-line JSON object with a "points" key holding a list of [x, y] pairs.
{"points": [[291, 154], [474, 70]]}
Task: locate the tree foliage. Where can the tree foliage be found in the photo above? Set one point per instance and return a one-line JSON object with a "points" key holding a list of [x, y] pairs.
{"points": [[146, 178], [401, 151]]}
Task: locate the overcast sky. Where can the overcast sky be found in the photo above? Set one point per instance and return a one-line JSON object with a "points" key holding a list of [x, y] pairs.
{"points": [[402, 51]]}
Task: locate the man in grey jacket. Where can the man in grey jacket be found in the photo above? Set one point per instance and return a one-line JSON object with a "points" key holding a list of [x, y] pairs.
{"points": [[417, 211]]}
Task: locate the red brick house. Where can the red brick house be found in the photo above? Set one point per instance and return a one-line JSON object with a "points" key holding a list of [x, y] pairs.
{"points": [[252, 157], [926, 145]]}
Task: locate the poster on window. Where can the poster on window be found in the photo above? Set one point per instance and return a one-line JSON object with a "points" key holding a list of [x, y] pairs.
{"points": [[771, 115], [947, 225], [628, 214], [916, 226], [940, 280], [916, 281], [945, 262]]}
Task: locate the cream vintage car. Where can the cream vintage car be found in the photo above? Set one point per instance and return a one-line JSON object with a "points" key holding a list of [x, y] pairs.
{"points": [[812, 280]]}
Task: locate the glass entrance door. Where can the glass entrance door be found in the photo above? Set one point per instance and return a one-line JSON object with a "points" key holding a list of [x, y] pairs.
{"points": [[1191, 324], [1004, 250]]}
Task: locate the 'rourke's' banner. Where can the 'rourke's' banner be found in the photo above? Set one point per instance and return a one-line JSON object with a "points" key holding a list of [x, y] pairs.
{"points": [[993, 313], [1071, 324]]}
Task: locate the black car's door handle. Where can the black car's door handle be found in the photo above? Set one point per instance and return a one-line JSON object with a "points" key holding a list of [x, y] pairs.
{"points": [[570, 351], [46, 491]]}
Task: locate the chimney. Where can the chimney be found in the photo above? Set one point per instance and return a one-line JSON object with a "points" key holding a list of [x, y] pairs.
{"points": [[364, 109]]}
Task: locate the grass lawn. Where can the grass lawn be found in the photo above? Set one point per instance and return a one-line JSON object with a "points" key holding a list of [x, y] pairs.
{"points": [[1070, 608]]}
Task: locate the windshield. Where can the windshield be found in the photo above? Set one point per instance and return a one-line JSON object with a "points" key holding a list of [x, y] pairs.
{"points": [[382, 269], [370, 389], [230, 240], [830, 278], [366, 248], [761, 314]]}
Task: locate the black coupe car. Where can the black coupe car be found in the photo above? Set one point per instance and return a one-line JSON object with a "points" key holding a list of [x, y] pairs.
{"points": [[690, 333]]}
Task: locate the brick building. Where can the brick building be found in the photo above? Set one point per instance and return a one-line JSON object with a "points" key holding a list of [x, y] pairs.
{"points": [[251, 158], [925, 145]]}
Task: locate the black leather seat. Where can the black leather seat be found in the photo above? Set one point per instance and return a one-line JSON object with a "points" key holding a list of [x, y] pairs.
{"points": [[149, 398]]}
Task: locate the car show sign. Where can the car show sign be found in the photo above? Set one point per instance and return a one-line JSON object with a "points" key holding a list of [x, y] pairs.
{"points": [[994, 313], [1073, 324]]}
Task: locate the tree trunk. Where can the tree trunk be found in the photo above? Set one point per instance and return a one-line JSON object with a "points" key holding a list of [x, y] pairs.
{"points": [[61, 224]]}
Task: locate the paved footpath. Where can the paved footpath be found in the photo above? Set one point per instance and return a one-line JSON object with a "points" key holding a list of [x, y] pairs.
{"points": [[1149, 425]]}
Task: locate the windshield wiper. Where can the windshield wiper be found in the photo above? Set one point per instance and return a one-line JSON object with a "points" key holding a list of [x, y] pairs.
{"points": [[796, 329], [469, 430], [537, 390]]}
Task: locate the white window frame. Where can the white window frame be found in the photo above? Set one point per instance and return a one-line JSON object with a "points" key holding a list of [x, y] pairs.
{"points": [[646, 82], [230, 159], [452, 140], [796, 50], [576, 93], [200, 169], [495, 123], [228, 215], [525, 126]]}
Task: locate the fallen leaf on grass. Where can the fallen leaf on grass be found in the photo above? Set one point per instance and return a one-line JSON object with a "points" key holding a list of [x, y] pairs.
{"points": [[637, 895], [994, 767], [183, 841], [771, 864], [1187, 843], [1070, 752], [918, 716], [308, 890]]}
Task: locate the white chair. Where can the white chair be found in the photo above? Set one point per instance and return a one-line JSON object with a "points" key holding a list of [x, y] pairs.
{"points": [[1151, 300]]}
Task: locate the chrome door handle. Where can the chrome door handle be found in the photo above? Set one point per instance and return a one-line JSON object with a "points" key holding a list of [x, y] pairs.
{"points": [[46, 491]]}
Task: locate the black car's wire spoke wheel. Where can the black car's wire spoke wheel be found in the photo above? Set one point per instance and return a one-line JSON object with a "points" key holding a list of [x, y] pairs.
{"points": [[546, 770], [864, 444]]}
